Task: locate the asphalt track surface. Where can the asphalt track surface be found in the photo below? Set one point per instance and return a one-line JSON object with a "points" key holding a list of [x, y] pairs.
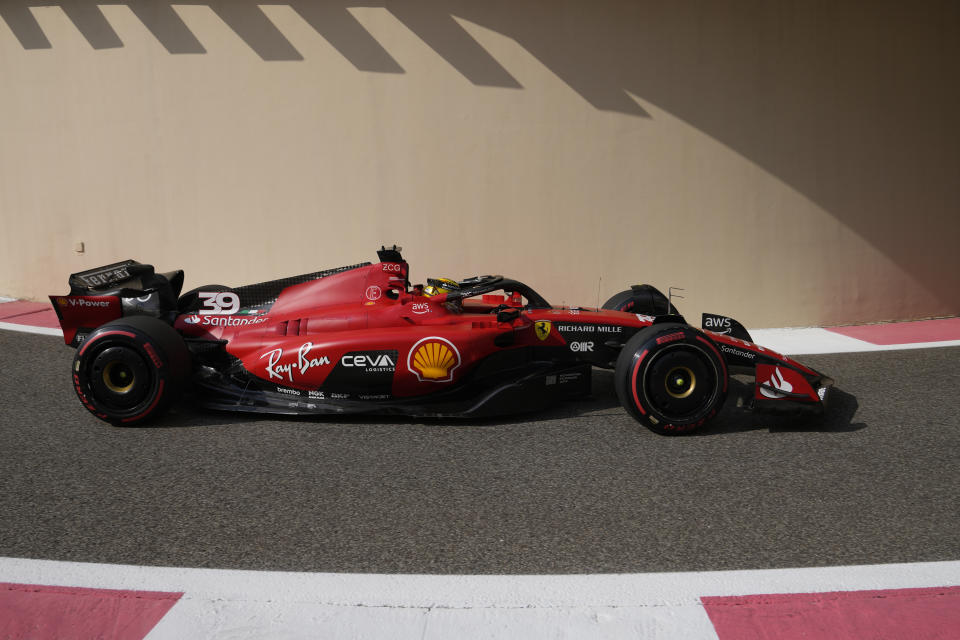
{"points": [[578, 489]]}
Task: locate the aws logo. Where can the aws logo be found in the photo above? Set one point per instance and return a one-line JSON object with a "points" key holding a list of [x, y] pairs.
{"points": [[433, 359]]}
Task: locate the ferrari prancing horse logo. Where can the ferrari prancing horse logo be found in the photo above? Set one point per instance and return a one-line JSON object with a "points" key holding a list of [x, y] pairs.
{"points": [[542, 328]]}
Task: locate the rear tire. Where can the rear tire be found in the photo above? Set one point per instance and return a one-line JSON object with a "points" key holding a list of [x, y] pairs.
{"points": [[130, 370], [671, 378]]}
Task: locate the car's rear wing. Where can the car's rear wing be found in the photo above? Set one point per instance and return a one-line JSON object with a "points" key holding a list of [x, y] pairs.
{"points": [[114, 290]]}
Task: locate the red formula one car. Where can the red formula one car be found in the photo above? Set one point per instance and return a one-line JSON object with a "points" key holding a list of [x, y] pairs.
{"points": [[361, 339]]}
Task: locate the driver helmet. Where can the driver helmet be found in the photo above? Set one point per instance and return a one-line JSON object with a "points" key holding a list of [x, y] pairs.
{"points": [[437, 286]]}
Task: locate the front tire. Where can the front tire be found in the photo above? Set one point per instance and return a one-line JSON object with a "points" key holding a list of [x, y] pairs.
{"points": [[671, 378], [130, 370]]}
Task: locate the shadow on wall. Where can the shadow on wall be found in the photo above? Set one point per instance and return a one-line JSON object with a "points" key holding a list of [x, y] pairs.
{"points": [[852, 105]]}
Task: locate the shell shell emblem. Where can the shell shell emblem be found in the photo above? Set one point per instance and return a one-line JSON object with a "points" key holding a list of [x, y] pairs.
{"points": [[433, 359]]}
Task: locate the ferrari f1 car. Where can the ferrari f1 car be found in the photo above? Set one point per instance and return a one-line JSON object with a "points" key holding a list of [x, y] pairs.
{"points": [[362, 339]]}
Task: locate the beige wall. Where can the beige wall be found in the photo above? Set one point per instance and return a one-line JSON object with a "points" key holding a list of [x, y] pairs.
{"points": [[788, 163]]}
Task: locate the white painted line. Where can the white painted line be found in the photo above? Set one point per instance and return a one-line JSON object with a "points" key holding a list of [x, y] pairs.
{"points": [[468, 591], [6, 299], [251, 604], [812, 340], [23, 328], [805, 340], [899, 347]]}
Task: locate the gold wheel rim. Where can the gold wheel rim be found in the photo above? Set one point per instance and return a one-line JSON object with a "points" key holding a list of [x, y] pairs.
{"points": [[122, 372], [680, 377]]}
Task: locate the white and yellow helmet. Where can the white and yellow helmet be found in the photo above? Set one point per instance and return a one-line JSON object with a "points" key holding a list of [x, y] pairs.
{"points": [[437, 286]]}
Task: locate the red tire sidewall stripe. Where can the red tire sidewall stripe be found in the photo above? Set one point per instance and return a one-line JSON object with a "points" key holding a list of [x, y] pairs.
{"points": [[104, 334], [633, 381], [153, 404]]}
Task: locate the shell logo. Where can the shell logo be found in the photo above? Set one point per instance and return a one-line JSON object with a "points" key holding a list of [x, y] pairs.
{"points": [[433, 359]]}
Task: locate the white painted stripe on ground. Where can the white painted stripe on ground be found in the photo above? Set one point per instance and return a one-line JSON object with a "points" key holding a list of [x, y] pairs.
{"points": [[24, 328], [810, 340], [242, 604], [806, 340]]}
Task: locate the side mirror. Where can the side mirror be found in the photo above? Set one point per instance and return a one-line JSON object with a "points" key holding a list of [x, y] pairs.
{"points": [[508, 315]]}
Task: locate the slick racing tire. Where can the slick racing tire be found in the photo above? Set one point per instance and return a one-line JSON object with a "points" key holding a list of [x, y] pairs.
{"points": [[671, 378], [129, 370]]}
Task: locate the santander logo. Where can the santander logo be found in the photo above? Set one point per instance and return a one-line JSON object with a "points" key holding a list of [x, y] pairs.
{"points": [[776, 381]]}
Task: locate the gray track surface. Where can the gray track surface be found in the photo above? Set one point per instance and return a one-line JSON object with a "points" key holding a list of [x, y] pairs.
{"points": [[579, 489]]}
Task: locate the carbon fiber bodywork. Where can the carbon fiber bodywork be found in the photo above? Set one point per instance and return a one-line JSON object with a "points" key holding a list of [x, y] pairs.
{"points": [[264, 294], [541, 384]]}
